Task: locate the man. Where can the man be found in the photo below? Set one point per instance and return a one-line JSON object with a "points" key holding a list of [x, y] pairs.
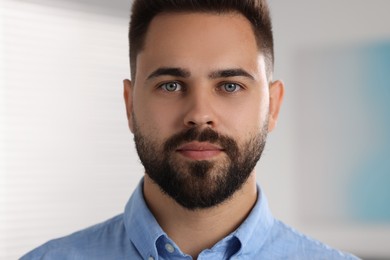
{"points": [[200, 103]]}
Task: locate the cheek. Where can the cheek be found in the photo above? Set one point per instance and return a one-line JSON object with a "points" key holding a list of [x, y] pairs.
{"points": [[245, 116], [154, 118]]}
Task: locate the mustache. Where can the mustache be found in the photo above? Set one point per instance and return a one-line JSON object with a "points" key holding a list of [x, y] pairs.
{"points": [[207, 135]]}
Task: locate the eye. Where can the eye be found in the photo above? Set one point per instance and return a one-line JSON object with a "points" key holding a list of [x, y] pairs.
{"points": [[231, 87], [171, 86]]}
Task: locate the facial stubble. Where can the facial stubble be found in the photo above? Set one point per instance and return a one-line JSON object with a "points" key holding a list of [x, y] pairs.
{"points": [[199, 184]]}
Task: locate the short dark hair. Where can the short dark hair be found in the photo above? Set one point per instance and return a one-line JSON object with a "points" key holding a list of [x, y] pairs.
{"points": [[256, 11]]}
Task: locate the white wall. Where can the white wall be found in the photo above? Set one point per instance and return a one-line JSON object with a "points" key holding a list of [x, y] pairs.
{"points": [[67, 159]]}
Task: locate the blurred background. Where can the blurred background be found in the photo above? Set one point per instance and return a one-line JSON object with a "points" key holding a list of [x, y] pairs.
{"points": [[67, 159]]}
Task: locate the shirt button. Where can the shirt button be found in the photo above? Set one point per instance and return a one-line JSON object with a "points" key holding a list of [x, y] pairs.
{"points": [[169, 248], [150, 258]]}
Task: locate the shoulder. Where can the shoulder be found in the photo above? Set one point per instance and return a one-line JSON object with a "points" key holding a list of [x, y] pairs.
{"points": [[95, 242], [292, 244]]}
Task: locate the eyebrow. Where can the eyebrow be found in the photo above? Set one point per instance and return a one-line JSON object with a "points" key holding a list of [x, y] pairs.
{"points": [[230, 73], [183, 73], [176, 72]]}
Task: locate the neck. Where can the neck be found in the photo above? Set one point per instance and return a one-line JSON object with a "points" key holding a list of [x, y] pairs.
{"points": [[194, 231]]}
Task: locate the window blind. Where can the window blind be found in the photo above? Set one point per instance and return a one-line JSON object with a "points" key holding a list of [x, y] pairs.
{"points": [[67, 158]]}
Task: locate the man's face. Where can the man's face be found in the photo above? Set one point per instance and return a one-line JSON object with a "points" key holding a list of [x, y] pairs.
{"points": [[199, 106]]}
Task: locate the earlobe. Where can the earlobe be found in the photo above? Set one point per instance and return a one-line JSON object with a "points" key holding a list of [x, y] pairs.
{"points": [[128, 96], [276, 93]]}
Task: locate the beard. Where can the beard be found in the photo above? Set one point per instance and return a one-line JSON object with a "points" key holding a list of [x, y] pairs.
{"points": [[205, 183]]}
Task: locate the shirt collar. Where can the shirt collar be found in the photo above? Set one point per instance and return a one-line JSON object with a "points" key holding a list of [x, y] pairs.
{"points": [[144, 231], [141, 226], [253, 232]]}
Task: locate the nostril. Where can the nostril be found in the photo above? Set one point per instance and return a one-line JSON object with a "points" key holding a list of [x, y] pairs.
{"points": [[196, 118], [191, 123]]}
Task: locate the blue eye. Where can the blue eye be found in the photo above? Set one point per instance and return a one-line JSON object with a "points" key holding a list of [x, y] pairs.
{"points": [[231, 87], [171, 86]]}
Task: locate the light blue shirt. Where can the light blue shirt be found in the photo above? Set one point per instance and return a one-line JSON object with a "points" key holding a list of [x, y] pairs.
{"points": [[135, 234]]}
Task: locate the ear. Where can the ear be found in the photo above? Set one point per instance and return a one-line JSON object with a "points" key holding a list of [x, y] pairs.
{"points": [[128, 95], [276, 93]]}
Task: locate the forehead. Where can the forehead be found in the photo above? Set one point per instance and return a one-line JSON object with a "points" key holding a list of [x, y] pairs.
{"points": [[200, 27], [199, 39]]}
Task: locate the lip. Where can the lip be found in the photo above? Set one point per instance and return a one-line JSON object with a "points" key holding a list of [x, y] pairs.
{"points": [[199, 150]]}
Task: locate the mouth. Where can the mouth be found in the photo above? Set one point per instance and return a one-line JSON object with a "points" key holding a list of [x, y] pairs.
{"points": [[199, 150]]}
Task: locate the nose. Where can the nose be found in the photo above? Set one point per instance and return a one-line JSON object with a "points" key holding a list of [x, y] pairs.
{"points": [[199, 111]]}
